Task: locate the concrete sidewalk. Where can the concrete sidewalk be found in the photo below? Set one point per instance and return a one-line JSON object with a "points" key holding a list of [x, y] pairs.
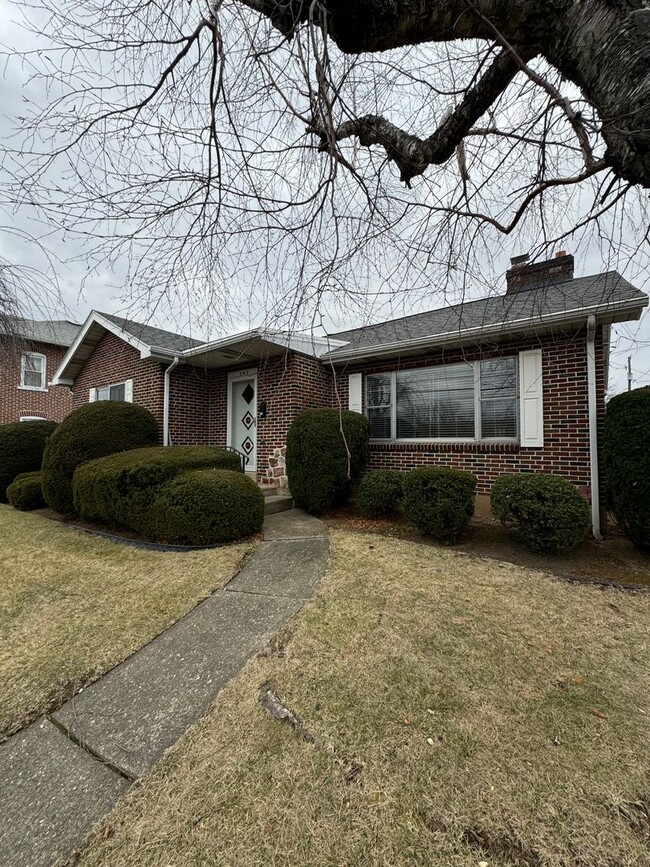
{"points": [[63, 773]]}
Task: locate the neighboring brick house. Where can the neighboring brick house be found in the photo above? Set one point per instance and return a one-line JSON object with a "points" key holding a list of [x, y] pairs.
{"points": [[510, 383], [29, 357]]}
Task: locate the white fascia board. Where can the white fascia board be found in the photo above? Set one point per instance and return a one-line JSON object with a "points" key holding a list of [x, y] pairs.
{"points": [[126, 336], [220, 343], [59, 377], [159, 354], [307, 345], [94, 318], [315, 346], [567, 316]]}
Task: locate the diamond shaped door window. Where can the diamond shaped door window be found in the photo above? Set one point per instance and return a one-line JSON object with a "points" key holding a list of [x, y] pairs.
{"points": [[248, 421], [248, 393], [248, 445]]}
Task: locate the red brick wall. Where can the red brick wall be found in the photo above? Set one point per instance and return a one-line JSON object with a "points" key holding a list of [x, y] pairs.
{"points": [[294, 382], [288, 384], [189, 406], [566, 433], [115, 361], [53, 404]]}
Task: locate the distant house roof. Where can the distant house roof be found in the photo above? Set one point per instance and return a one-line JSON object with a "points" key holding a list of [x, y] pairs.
{"points": [[58, 332], [608, 296]]}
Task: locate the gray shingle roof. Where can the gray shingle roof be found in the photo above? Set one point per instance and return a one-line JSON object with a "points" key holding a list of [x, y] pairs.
{"points": [[59, 332], [598, 291], [154, 336]]}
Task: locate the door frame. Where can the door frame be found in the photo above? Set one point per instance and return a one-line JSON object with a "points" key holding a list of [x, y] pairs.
{"points": [[249, 373]]}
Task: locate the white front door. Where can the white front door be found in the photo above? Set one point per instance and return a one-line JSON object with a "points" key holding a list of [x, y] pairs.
{"points": [[242, 423]]}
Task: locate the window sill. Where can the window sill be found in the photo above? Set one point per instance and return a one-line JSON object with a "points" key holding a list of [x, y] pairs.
{"points": [[432, 446], [31, 388]]}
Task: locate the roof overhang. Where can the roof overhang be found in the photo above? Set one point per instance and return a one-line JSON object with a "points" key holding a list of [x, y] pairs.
{"points": [[92, 331], [245, 347], [256, 345], [606, 314]]}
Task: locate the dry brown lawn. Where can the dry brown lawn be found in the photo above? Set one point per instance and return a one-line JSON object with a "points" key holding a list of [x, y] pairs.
{"points": [[463, 711], [73, 606]]}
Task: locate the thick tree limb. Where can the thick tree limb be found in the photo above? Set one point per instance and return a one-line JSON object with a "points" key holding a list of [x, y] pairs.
{"points": [[411, 154], [602, 46]]}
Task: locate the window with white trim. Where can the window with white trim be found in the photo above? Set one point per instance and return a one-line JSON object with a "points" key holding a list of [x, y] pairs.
{"points": [[32, 371], [463, 402], [121, 391]]}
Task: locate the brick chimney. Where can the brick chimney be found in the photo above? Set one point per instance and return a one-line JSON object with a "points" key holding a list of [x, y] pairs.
{"points": [[531, 275]]}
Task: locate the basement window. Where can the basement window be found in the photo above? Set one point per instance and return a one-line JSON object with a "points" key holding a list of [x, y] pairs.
{"points": [[121, 391]]}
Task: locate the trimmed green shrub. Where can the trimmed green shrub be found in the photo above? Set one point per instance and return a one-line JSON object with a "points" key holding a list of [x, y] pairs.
{"points": [[25, 492], [204, 507], [119, 489], [438, 501], [21, 449], [317, 458], [546, 512], [627, 463], [379, 492], [92, 431]]}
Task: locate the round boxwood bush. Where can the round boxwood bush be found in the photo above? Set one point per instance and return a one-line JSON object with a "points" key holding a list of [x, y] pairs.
{"points": [[21, 449], [546, 512], [627, 463], [204, 507], [119, 489], [438, 501], [320, 474], [92, 431], [26, 493], [379, 492]]}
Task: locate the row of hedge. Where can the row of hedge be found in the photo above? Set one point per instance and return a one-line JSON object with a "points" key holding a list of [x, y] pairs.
{"points": [[627, 463], [21, 450], [196, 495], [326, 452], [102, 464], [546, 512], [91, 431]]}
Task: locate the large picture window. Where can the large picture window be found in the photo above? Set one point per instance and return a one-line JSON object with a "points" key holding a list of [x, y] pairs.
{"points": [[469, 401]]}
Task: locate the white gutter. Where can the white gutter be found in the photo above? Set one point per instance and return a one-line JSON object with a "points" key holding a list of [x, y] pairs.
{"points": [[593, 427], [168, 370]]}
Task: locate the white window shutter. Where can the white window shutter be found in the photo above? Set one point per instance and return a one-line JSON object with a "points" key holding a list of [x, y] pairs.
{"points": [[355, 402], [531, 398], [128, 391], [92, 395]]}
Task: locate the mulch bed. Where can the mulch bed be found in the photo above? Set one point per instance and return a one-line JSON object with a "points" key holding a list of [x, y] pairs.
{"points": [[614, 562]]}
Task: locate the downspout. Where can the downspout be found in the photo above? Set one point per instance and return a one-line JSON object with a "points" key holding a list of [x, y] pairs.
{"points": [[168, 370], [593, 427]]}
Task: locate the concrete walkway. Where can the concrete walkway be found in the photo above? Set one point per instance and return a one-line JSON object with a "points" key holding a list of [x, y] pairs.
{"points": [[62, 774]]}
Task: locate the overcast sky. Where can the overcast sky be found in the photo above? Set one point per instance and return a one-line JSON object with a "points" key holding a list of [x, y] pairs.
{"points": [[81, 290]]}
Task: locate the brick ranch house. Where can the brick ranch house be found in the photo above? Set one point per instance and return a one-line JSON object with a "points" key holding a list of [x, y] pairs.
{"points": [[511, 383], [29, 357]]}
